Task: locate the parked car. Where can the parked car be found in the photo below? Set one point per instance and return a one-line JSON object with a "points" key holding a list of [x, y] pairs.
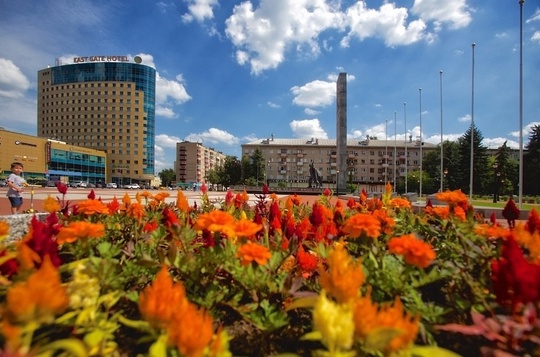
{"points": [[133, 186], [112, 185], [79, 184]]}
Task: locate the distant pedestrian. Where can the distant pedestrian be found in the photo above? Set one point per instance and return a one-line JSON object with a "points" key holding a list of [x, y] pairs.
{"points": [[15, 185]]}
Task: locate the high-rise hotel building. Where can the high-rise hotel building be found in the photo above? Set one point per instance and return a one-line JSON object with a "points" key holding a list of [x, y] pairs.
{"points": [[104, 103]]}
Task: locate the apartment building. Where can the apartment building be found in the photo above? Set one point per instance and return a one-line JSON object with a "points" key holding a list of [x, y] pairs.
{"points": [[193, 161], [370, 162]]}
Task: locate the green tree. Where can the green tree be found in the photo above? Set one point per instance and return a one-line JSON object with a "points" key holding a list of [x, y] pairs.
{"points": [[431, 165], [231, 172], [531, 160], [253, 168], [481, 177], [504, 172], [167, 176]]}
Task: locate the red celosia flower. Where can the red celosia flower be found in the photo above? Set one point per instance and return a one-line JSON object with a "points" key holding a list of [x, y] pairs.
{"points": [[307, 261], [61, 187], [40, 239], [91, 195], [327, 192], [204, 189], [113, 205], [169, 217], [515, 280], [150, 226], [510, 212], [229, 196], [265, 190], [9, 267], [533, 222]]}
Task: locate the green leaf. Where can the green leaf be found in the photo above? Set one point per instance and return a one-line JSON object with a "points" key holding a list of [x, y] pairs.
{"points": [[308, 302], [75, 347], [429, 351], [380, 338], [312, 336]]}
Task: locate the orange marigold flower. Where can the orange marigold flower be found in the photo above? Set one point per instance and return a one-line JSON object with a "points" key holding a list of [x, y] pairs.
{"points": [[90, 207], [362, 224], [441, 212], [39, 298], [399, 202], [387, 222], [453, 198], [192, 331], [368, 317], [51, 205], [246, 228], [160, 301], [414, 251], [182, 202], [78, 230], [253, 252], [344, 276], [216, 221]]}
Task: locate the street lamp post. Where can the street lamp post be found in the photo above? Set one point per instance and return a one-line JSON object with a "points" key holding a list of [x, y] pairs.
{"points": [[442, 150], [395, 150], [496, 178], [337, 182], [421, 154], [471, 181], [406, 159]]}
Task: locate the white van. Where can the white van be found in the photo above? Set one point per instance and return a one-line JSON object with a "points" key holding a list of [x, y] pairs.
{"points": [[112, 185]]}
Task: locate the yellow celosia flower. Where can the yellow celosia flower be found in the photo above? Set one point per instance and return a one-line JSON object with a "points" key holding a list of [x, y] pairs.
{"points": [[79, 229], [39, 298], [335, 323], [83, 289], [51, 205], [344, 276]]}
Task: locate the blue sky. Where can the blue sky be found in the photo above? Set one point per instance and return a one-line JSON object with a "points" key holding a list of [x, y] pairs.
{"points": [[230, 72]]}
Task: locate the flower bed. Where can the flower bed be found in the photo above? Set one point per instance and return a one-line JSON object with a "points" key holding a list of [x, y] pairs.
{"points": [[145, 278]]}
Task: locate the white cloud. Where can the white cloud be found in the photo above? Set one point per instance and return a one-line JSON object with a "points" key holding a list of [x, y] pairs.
{"points": [[387, 23], [308, 128], [262, 35], [214, 136], [536, 36], [273, 105], [200, 10], [314, 94], [453, 12], [534, 17], [13, 83], [465, 118], [310, 111]]}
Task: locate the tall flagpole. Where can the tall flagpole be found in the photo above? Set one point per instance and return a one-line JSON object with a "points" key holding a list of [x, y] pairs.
{"points": [[386, 152], [395, 150], [442, 150], [421, 143], [472, 127], [520, 191], [406, 159]]}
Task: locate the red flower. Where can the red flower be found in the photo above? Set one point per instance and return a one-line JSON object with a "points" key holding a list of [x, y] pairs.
{"points": [[229, 197], [150, 226], [327, 192], [204, 189], [10, 267], [40, 238], [61, 187], [511, 212], [265, 189], [515, 280], [169, 218]]}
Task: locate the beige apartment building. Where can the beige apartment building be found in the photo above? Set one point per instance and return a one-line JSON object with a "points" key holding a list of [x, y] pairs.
{"points": [[193, 161], [104, 103], [370, 163]]}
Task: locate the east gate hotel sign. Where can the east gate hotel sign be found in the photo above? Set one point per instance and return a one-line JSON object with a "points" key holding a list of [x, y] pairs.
{"points": [[100, 59]]}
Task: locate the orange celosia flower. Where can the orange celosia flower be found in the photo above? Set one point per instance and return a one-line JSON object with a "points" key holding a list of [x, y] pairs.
{"points": [[491, 231], [362, 224], [216, 221], [126, 200], [246, 228], [78, 230], [27, 257], [441, 212], [529, 240], [414, 251], [136, 210], [192, 331], [51, 205], [161, 196], [344, 276], [4, 229], [90, 207], [368, 317], [160, 301], [253, 252], [182, 202], [39, 298]]}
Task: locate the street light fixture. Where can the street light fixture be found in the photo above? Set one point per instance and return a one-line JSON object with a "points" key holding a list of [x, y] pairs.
{"points": [[496, 178], [337, 182]]}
